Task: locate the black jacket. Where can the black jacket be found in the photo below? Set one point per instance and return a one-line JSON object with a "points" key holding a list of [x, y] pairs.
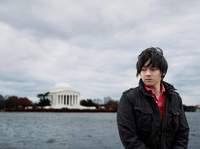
{"points": [[139, 123]]}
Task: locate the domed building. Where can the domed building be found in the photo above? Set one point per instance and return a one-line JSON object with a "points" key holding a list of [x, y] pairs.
{"points": [[65, 98]]}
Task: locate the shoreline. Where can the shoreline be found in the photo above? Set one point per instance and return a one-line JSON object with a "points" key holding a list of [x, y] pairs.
{"points": [[62, 110]]}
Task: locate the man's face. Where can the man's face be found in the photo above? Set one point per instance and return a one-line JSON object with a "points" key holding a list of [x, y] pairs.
{"points": [[151, 76]]}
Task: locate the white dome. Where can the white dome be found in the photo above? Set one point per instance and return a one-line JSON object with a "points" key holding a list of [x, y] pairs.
{"points": [[63, 89]]}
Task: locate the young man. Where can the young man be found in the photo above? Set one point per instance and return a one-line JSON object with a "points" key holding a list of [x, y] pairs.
{"points": [[151, 115]]}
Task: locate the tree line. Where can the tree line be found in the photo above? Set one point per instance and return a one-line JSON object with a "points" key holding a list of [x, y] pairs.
{"points": [[21, 103], [15, 103]]}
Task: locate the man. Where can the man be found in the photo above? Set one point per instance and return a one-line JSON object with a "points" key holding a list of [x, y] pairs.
{"points": [[151, 115]]}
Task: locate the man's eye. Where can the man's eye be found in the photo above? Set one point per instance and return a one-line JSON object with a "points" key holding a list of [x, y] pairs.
{"points": [[154, 69], [143, 69]]}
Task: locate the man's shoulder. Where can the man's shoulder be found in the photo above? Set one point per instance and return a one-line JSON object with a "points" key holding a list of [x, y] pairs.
{"points": [[176, 96], [131, 91], [129, 95]]}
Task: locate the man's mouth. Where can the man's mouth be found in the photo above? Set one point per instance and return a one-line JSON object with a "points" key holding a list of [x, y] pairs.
{"points": [[148, 79]]}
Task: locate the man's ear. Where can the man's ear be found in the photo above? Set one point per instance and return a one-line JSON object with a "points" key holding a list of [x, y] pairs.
{"points": [[163, 75]]}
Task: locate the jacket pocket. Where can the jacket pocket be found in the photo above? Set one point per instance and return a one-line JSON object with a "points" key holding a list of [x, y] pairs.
{"points": [[173, 120], [143, 118]]}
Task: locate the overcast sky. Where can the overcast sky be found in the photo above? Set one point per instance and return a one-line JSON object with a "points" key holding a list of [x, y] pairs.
{"points": [[91, 46]]}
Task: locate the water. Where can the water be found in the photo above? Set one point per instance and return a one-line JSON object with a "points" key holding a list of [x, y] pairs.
{"points": [[58, 131], [70, 131], [194, 123]]}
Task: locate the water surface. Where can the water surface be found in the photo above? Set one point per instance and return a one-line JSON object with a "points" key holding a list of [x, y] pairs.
{"points": [[70, 131]]}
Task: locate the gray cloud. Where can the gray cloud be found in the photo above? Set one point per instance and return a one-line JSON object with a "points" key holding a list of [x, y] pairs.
{"points": [[92, 46]]}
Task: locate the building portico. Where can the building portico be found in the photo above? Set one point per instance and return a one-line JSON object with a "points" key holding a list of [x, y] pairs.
{"points": [[65, 98]]}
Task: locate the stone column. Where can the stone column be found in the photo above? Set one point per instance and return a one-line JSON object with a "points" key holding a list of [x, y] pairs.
{"points": [[63, 99], [56, 99], [70, 99], [76, 99], [60, 99], [73, 99]]}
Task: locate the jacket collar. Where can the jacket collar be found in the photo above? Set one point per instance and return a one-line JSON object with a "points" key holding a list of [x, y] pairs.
{"points": [[168, 87]]}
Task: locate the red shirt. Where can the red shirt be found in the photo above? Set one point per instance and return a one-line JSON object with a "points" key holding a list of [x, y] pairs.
{"points": [[160, 101]]}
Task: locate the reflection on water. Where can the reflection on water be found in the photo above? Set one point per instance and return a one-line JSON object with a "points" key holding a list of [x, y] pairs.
{"points": [[70, 131]]}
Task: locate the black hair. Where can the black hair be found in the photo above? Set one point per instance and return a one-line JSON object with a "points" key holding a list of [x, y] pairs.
{"points": [[156, 59]]}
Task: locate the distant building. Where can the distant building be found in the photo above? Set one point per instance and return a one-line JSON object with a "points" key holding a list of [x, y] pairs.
{"points": [[65, 98], [107, 99], [98, 101]]}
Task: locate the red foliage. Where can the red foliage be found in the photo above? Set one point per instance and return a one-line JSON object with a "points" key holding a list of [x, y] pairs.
{"points": [[23, 101], [14, 102]]}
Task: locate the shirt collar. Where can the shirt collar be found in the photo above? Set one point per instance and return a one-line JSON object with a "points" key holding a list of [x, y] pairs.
{"points": [[151, 90]]}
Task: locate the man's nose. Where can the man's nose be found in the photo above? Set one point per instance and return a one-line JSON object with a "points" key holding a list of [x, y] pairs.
{"points": [[148, 72]]}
